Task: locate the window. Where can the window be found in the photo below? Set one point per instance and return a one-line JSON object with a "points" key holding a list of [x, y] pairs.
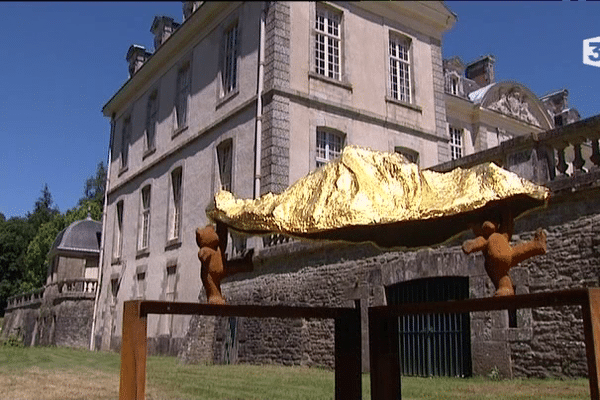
{"points": [[141, 284], [455, 143], [144, 227], [114, 290], [151, 120], [126, 139], [225, 159], [171, 282], [175, 205], [399, 68], [454, 85], [181, 101], [118, 234], [410, 155], [327, 43], [229, 74], [329, 146]]}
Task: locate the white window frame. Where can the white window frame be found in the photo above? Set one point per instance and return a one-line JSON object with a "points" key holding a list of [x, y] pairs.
{"points": [[327, 37], [182, 94], [400, 70], [118, 231], [144, 224], [175, 205], [231, 51], [151, 121], [456, 143], [225, 163], [329, 145]]}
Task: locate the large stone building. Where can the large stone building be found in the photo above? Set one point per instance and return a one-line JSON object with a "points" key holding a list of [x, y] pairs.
{"points": [[250, 97]]}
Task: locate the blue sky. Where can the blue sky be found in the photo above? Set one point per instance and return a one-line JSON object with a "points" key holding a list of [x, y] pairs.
{"points": [[61, 62]]}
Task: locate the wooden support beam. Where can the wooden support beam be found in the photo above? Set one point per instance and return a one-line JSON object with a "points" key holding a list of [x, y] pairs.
{"points": [[348, 356], [384, 354], [591, 327], [133, 353]]}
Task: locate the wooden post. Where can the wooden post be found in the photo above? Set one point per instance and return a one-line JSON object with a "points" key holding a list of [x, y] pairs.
{"points": [[133, 353], [348, 356], [385, 357], [591, 327]]}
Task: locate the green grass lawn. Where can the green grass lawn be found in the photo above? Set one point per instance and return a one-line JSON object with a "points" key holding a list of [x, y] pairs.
{"points": [[61, 373]]}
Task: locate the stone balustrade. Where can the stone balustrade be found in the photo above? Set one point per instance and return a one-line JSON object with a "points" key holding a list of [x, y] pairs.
{"points": [[67, 288], [565, 158], [76, 286], [25, 299]]}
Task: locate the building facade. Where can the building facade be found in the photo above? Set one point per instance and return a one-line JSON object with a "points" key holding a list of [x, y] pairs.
{"points": [[251, 97]]}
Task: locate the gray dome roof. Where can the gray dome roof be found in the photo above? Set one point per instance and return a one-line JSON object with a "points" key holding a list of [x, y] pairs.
{"points": [[80, 237]]}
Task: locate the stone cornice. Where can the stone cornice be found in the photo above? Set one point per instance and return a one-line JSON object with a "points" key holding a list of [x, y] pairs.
{"points": [[355, 113]]}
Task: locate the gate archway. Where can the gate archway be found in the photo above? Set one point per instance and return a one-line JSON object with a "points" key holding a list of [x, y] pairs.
{"points": [[433, 344]]}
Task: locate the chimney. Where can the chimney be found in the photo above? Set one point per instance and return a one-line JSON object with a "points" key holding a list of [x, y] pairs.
{"points": [[481, 71], [136, 57], [162, 28], [190, 7]]}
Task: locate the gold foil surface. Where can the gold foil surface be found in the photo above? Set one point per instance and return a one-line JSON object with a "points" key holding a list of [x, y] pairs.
{"points": [[380, 197]]}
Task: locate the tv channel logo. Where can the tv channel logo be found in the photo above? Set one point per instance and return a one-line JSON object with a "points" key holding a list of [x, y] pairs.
{"points": [[591, 51]]}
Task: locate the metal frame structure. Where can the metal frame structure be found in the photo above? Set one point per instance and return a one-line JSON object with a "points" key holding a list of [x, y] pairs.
{"points": [[384, 343], [348, 385], [383, 335]]}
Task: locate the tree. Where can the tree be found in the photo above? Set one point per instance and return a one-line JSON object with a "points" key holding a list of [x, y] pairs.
{"points": [[95, 186], [15, 235], [44, 209]]}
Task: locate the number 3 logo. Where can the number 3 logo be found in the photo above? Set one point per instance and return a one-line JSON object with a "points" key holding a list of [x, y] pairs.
{"points": [[595, 48], [591, 51]]}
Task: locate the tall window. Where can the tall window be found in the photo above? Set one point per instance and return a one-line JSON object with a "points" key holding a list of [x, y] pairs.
{"points": [[175, 205], [171, 281], [141, 284], [225, 159], [118, 234], [126, 139], [329, 146], [183, 92], [454, 85], [399, 68], [328, 42], [144, 228], [455, 143], [151, 119], [229, 75]]}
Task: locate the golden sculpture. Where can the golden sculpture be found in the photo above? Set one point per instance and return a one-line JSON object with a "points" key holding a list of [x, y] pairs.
{"points": [[380, 197]]}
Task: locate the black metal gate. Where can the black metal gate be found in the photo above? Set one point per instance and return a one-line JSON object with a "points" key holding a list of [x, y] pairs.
{"points": [[433, 344]]}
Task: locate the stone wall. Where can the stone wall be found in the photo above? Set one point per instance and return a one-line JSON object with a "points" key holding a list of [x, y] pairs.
{"points": [[56, 320]]}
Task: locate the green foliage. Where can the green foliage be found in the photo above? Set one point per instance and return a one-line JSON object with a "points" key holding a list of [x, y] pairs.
{"points": [[13, 341], [95, 186]]}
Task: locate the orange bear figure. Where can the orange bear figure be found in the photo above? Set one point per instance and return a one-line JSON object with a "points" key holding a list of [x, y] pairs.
{"points": [[215, 266], [493, 240]]}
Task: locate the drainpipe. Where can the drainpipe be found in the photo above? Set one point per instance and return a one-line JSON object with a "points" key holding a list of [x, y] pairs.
{"points": [[102, 238], [259, 93]]}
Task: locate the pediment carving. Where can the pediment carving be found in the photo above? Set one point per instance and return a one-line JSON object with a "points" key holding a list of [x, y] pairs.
{"points": [[514, 103]]}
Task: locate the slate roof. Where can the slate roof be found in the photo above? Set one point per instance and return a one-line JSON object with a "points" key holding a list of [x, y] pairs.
{"points": [[81, 236]]}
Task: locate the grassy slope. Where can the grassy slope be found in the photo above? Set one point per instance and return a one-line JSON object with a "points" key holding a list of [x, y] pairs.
{"points": [[60, 373]]}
